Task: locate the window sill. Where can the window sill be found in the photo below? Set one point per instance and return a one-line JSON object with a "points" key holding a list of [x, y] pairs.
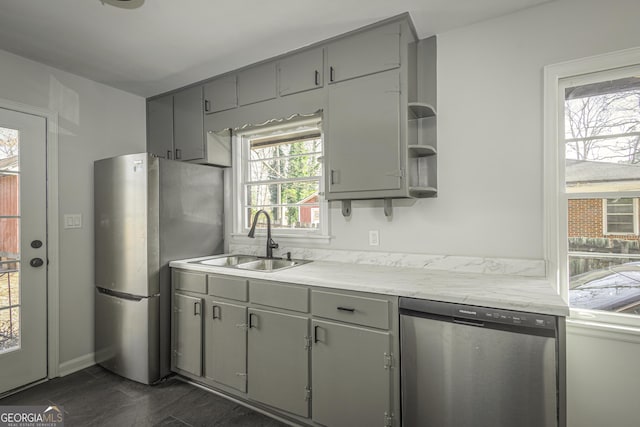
{"points": [[285, 237], [603, 330]]}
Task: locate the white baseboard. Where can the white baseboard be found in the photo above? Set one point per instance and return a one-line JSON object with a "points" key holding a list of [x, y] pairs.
{"points": [[77, 364]]}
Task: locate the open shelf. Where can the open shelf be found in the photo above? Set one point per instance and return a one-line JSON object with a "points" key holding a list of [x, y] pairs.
{"points": [[422, 192], [421, 110], [421, 150]]}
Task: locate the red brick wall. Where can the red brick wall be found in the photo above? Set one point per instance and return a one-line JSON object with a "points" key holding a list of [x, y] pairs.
{"points": [[585, 220]]}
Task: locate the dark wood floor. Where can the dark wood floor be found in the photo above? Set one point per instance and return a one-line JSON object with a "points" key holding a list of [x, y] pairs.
{"points": [[96, 397]]}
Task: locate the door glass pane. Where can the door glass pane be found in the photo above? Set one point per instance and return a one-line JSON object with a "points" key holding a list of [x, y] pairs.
{"points": [[9, 241]]}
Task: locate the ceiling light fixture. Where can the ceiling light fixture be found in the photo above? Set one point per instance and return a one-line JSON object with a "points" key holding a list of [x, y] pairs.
{"points": [[123, 4]]}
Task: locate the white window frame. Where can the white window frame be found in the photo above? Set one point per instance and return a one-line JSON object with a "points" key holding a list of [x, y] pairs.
{"points": [[240, 169], [557, 77], [605, 218]]}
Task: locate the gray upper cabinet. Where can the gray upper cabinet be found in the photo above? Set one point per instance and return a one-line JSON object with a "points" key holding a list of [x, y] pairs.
{"points": [[257, 84], [226, 344], [349, 365], [188, 124], [160, 126], [220, 94], [187, 333], [368, 52], [278, 360], [300, 72], [175, 125], [363, 137]]}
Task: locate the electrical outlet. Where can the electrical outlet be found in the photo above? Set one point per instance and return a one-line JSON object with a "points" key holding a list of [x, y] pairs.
{"points": [[374, 238]]}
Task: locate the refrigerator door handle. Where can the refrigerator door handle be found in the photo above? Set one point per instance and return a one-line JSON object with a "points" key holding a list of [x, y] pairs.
{"points": [[120, 295]]}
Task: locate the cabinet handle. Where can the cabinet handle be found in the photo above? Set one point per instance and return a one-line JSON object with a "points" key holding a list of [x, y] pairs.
{"points": [[196, 308], [206, 105], [169, 154], [331, 74], [317, 78], [315, 334], [215, 308], [178, 154], [251, 316], [348, 309], [331, 177]]}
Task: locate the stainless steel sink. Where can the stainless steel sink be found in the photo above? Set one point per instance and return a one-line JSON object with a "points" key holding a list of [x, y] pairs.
{"points": [[227, 261], [251, 262], [270, 264]]}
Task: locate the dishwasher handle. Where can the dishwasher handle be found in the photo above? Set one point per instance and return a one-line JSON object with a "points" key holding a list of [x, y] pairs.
{"points": [[467, 322]]}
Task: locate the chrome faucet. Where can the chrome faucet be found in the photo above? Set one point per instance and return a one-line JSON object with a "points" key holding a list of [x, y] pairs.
{"points": [[271, 245]]}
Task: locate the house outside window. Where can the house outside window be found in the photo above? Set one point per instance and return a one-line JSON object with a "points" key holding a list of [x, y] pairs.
{"points": [[279, 170]]}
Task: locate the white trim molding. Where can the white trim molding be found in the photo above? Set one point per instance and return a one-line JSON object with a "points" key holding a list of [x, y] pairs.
{"points": [[77, 364], [53, 242]]}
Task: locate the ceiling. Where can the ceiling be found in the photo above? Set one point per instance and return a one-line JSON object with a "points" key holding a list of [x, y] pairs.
{"points": [[166, 44]]}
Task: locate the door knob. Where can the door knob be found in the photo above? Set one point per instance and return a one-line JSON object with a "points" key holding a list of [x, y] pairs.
{"points": [[36, 244], [36, 262]]}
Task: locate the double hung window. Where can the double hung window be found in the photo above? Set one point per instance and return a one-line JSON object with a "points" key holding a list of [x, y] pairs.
{"points": [[280, 171]]}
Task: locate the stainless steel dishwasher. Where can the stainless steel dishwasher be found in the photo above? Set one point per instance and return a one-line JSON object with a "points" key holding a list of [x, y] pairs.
{"points": [[468, 366]]}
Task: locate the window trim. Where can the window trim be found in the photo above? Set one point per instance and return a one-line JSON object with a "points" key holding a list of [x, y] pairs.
{"points": [[605, 218], [240, 171], [557, 76]]}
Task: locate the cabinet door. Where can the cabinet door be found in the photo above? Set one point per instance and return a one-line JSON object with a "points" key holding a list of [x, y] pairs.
{"points": [[351, 385], [363, 135], [300, 72], [160, 127], [278, 360], [257, 84], [188, 122], [364, 53], [220, 94], [187, 332], [226, 344]]}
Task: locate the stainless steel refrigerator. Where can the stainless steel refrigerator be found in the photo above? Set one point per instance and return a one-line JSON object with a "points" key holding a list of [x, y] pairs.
{"points": [[148, 211]]}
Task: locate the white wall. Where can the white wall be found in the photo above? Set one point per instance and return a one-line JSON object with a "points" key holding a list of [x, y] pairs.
{"points": [[490, 105], [490, 132], [95, 122]]}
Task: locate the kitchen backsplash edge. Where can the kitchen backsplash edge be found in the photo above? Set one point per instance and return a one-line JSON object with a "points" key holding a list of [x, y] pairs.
{"points": [[466, 264]]}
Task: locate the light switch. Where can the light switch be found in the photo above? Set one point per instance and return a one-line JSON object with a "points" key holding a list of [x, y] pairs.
{"points": [[72, 220]]}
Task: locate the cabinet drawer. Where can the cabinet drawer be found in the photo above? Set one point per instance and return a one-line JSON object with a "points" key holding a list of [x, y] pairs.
{"points": [[279, 295], [353, 309], [228, 287], [192, 282]]}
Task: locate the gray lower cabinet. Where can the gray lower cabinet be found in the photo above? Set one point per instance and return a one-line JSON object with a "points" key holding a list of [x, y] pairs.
{"points": [[187, 333], [364, 151], [352, 385], [278, 360], [225, 337]]}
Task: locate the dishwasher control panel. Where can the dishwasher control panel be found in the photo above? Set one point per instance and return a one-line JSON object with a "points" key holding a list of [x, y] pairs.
{"points": [[480, 314]]}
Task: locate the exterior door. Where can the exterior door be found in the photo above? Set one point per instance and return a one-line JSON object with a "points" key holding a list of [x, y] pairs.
{"points": [[23, 249]]}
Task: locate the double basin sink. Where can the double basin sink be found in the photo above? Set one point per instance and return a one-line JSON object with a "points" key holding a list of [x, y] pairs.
{"points": [[250, 262]]}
